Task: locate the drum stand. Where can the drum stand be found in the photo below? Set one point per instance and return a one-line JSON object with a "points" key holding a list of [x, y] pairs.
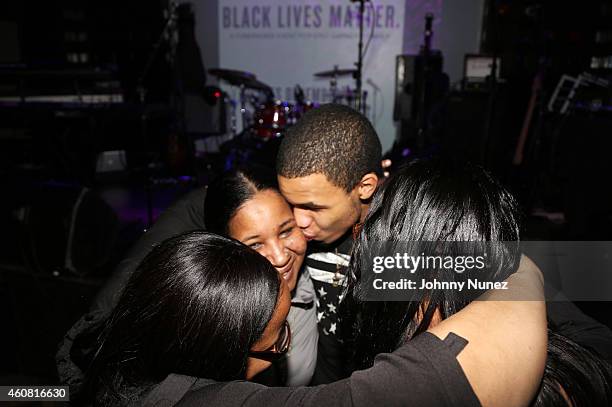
{"points": [[333, 86]]}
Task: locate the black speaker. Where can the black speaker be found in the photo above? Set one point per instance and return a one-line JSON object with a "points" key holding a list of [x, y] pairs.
{"points": [[409, 80], [68, 229], [404, 86]]}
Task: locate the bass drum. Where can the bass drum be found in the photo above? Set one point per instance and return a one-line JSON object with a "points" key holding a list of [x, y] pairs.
{"points": [[272, 118], [300, 109]]}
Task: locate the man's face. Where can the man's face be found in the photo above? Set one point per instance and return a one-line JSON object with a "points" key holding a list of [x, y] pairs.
{"points": [[322, 210]]}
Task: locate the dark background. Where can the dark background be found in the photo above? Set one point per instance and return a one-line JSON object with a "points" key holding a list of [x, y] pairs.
{"points": [[48, 152]]}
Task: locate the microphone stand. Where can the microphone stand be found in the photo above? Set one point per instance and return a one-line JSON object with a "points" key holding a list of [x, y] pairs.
{"points": [[423, 111], [359, 64]]}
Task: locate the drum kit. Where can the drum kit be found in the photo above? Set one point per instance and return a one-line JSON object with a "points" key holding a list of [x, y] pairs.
{"points": [[265, 117]]}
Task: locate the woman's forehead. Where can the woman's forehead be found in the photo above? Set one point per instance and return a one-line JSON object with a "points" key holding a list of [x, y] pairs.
{"points": [[267, 209]]}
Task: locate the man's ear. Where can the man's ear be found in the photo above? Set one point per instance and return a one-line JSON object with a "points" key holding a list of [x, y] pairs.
{"points": [[367, 186]]}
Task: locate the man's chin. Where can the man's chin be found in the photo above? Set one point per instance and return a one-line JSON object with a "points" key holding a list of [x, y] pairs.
{"points": [[322, 239], [328, 240], [316, 240]]}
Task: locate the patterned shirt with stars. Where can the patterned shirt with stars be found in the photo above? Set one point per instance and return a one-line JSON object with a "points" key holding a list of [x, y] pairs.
{"points": [[327, 266]]}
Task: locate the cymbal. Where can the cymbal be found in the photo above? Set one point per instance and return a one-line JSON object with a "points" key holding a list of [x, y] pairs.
{"points": [[234, 77], [258, 85], [335, 72], [240, 78]]}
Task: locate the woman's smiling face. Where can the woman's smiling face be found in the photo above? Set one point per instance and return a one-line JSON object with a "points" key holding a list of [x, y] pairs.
{"points": [[266, 224]]}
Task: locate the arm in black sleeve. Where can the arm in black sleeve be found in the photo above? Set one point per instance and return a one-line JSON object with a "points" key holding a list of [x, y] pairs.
{"points": [[185, 215], [422, 372], [564, 315], [570, 321]]}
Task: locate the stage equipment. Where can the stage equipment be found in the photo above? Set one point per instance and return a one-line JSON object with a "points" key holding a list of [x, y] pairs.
{"points": [[272, 118], [419, 83], [358, 96], [415, 76], [493, 88], [301, 104], [232, 76], [405, 77], [262, 115], [68, 229], [421, 88], [584, 91], [336, 72], [241, 79], [59, 88], [477, 70], [535, 95], [424, 93], [249, 102], [111, 161], [348, 96], [359, 64], [203, 111]]}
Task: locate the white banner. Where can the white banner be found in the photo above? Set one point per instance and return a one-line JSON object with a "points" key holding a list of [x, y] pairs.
{"points": [[285, 42]]}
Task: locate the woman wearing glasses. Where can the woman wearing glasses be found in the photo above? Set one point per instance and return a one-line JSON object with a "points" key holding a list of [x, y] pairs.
{"points": [[200, 305], [246, 205]]}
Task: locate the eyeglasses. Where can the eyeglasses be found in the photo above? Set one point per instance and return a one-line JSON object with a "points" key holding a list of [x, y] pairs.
{"points": [[279, 349]]}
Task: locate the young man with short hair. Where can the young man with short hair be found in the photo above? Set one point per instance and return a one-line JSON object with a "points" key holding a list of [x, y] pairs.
{"points": [[329, 166]]}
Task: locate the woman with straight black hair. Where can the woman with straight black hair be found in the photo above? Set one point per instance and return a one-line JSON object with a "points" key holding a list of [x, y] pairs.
{"points": [[441, 201], [195, 306], [245, 204]]}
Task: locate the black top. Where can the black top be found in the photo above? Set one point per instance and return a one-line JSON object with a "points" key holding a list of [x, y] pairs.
{"points": [[569, 320], [422, 372], [185, 215]]}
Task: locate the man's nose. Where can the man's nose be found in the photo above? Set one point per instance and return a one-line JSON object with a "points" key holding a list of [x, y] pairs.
{"points": [[302, 218]]}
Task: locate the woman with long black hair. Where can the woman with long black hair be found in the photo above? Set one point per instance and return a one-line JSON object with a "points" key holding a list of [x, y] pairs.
{"points": [[442, 201], [199, 305]]}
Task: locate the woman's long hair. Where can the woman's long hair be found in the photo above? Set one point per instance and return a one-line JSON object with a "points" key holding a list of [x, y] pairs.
{"points": [[441, 201], [422, 204], [230, 191], [195, 306]]}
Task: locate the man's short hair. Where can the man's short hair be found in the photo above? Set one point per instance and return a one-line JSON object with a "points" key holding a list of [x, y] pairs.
{"points": [[333, 140]]}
